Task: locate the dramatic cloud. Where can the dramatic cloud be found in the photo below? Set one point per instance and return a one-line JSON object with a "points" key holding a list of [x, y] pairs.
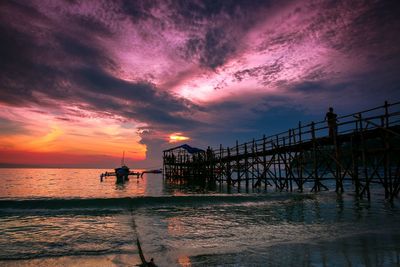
{"points": [[94, 78]]}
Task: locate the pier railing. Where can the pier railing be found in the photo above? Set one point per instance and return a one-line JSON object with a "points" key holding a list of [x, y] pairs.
{"points": [[362, 150], [382, 117]]}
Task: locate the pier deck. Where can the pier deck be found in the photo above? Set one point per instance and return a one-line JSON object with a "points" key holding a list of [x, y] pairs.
{"points": [[364, 151]]}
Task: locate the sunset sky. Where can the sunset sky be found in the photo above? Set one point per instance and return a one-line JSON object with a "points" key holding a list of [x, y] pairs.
{"points": [[83, 81]]}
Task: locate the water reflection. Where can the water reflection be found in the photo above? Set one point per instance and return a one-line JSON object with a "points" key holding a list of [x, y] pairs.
{"points": [[71, 183], [120, 186], [175, 226], [354, 251], [184, 261], [313, 230], [270, 229]]}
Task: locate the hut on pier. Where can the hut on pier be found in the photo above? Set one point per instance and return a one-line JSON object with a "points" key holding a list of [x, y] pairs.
{"points": [[183, 163]]}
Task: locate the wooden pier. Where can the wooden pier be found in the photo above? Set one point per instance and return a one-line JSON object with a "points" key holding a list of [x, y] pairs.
{"points": [[363, 153]]}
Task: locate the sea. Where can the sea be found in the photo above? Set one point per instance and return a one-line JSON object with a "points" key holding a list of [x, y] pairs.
{"points": [[68, 217]]}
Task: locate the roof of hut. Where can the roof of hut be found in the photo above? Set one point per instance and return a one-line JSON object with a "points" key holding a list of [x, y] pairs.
{"points": [[188, 148]]}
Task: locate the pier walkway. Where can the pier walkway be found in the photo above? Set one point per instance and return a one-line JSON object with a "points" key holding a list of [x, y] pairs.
{"points": [[363, 153]]}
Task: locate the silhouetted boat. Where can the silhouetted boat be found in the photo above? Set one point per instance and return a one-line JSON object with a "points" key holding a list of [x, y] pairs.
{"points": [[121, 173]]}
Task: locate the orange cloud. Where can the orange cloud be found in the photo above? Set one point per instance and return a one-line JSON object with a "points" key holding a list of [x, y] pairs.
{"points": [[78, 140]]}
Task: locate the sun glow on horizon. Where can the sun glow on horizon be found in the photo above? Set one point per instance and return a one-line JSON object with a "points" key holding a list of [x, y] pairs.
{"points": [[177, 137]]}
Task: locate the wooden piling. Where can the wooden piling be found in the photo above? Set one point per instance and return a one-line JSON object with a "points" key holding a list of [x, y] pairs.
{"points": [[246, 165], [264, 162], [229, 170], [315, 159], [300, 164], [238, 179]]}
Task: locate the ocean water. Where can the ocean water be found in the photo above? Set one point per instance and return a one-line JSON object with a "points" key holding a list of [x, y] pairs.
{"points": [[67, 217]]}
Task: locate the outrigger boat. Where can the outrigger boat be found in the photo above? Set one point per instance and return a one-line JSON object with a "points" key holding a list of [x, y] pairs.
{"points": [[122, 173], [152, 171]]}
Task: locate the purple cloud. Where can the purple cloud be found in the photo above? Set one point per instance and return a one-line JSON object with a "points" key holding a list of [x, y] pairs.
{"points": [[196, 66]]}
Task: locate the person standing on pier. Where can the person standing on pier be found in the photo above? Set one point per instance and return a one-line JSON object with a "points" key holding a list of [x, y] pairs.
{"points": [[331, 118]]}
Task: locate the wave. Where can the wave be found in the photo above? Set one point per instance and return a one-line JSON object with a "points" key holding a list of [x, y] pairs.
{"points": [[137, 202]]}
